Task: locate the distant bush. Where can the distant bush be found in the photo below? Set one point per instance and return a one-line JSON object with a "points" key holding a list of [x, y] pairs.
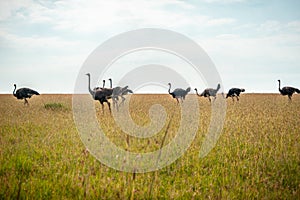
{"points": [[55, 106]]}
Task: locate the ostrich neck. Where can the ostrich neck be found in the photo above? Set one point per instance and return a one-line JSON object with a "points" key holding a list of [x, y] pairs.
{"points": [[279, 86], [218, 88], [110, 83], [169, 88], [89, 85], [14, 92]]}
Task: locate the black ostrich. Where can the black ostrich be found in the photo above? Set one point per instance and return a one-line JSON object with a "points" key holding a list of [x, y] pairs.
{"points": [[179, 93], [234, 92], [101, 95], [288, 91], [24, 93], [209, 92]]}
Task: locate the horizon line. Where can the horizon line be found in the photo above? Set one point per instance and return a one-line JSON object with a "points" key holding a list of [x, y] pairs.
{"points": [[140, 93]]}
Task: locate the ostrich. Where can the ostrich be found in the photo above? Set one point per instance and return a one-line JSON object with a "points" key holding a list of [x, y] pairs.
{"points": [[179, 93], [119, 92], [209, 92], [288, 91], [101, 95], [115, 94], [24, 93], [234, 92]]}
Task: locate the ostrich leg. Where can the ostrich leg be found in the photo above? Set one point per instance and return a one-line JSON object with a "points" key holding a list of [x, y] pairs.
{"points": [[109, 106], [102, 105], [123, 100]]}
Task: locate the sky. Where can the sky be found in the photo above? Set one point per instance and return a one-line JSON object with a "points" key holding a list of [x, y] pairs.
{"points": [[253, 43]]}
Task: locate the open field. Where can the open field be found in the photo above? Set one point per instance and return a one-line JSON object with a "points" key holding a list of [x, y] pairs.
{"points": [[256, 157]]}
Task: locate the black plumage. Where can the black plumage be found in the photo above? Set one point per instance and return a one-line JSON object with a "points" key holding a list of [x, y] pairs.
{"points": [[102, 94], [24, 93], [288, 91], [234, 92]]}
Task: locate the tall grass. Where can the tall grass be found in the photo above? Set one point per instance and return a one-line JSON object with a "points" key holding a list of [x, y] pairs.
{"points": [[256, 157]]}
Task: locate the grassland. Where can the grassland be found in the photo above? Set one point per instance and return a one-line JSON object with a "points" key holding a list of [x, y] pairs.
{"points": [[256, 157]]}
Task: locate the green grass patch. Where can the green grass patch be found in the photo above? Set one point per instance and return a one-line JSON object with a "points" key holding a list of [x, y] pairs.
{"points": [[55, 106]]}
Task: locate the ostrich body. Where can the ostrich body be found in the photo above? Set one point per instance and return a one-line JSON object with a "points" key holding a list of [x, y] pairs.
{"points": [[24, 93], [288, 90], [209, 92], [100, 95], [179, 93], [116, 91], [119, 92], [125, 91], [234, 92]]}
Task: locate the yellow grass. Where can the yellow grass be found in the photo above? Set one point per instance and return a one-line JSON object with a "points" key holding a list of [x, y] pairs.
{"points": [[256, 157]]}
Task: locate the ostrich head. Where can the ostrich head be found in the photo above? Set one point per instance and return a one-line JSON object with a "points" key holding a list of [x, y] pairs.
{"points": [[110, 80], [242, 90]]}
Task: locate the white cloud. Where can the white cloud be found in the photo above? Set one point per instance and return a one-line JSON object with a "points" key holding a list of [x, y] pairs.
{"points": [[294, 26], [270, 26], [34, 42], [92, 16], [227, 36], [220, 21], [7, 8]]}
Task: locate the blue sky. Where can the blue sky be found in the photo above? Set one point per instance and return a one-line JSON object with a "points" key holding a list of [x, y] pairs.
{"points": [[43, 44]]}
